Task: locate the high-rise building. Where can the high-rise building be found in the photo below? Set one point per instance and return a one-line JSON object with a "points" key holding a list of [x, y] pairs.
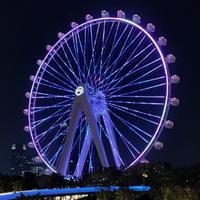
{"points": [[19, 159], [23, 160], [36, 168]]}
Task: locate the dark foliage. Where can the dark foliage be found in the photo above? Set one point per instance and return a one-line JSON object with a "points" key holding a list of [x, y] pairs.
{"points": [[166, 182]]}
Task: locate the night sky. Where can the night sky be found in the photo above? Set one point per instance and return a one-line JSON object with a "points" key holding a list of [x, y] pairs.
{"points": [[28, 26]]}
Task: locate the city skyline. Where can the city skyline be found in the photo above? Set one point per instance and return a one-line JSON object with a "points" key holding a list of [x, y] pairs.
{"points": [[27, 32], [24, 160]]}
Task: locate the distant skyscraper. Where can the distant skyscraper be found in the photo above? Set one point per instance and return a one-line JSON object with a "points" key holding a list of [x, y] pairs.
{"points": [[36, 168], [19, 159], [23, 160]]}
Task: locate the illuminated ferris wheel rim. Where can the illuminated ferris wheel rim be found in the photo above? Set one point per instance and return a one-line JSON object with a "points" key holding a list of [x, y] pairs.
{"points": [[78, 28], [109, 19]]}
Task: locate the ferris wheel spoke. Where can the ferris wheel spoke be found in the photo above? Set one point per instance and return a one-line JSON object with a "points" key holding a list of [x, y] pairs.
{"points": [[38, 123], [149, 80], [131, 71], [143, 50], [112, 66], [54, 160], [115, 151], [114, 45], [136, 96], [94, 46], [147, 73], [130, 58], [123, 50], [133, 83], [138, 111], [147, 88], [100, 60], [57, 135], [127, 144], [55, 54], [41, 121], [75, 61], [35, 109], [49, 84], [42, 108], [125, 141], [69, 66], [41, 136], [43, 94], [137, 102], [93, 42], [141, 76], [52, 96], [135, 50], [83, 53], [131, 94], [77, 56], [56, 77], [86, 48], [71, 53], [126, 110], [89, 65], [105, 42], [61, 68], [126, 48], [135, 115], [132, 127], [38, 109], [134, 71], [55, 87], [56, 124], [53, 115]]}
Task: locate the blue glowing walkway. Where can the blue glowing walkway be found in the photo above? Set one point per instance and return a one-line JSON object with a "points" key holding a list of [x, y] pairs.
{"points": [[69, 191]]}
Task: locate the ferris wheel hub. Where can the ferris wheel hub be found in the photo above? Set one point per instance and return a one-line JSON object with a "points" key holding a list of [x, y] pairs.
{"points": [[79, 91], [99, 103]]}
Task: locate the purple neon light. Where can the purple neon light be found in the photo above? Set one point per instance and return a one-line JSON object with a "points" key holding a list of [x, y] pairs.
{"points": [[43, 68]]}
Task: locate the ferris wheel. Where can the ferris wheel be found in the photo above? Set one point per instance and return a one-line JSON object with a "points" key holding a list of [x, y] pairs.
{"points": [[101, 96]]}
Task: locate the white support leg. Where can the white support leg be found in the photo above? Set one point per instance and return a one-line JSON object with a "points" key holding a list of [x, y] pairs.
{"points": [[112, 140], [83, 155]]}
